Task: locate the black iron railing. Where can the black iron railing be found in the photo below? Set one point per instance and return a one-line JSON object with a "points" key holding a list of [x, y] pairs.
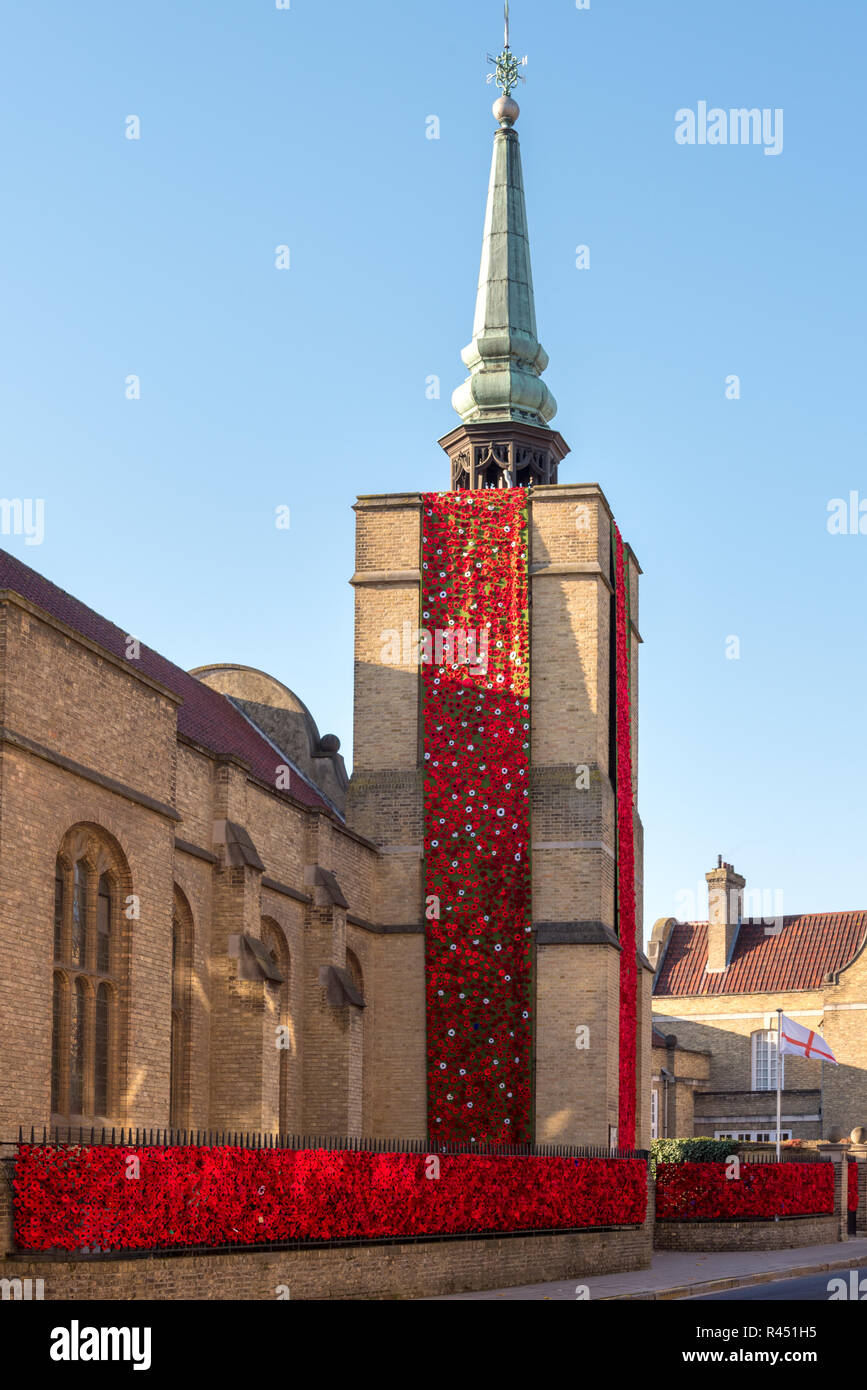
{"points": [[138, 1137]]}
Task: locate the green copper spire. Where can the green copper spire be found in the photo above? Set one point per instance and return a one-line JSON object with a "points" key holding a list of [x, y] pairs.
{"points": [[505, 357]]}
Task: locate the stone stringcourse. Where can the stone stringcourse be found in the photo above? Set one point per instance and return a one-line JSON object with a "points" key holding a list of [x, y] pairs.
{"points": [[688, 1192], [82, 1197]]}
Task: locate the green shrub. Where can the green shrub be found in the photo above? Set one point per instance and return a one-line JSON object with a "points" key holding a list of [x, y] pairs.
{"points": [[691, 1150]]}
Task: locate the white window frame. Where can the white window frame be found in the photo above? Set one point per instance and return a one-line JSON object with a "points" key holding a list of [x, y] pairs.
{"points": [[654, 1113], [755, 1136], [764, 1059]]}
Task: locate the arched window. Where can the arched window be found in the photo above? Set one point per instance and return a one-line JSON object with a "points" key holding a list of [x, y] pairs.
{"points": [[275, 944], [103, 926], [358, 1026], [101, 1049], [79, 912], [78, 1047], [91, 879], [59, 1045], [181, 1021]]}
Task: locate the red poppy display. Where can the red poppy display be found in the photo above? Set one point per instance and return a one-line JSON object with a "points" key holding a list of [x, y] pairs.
{"points": [[79, 1197], [477, 815], [625, 853], [703, 1192], [852, 1189]]}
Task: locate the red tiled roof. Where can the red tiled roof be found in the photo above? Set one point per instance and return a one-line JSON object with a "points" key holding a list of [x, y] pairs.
{"points": [[806, 949], [205, 716]]}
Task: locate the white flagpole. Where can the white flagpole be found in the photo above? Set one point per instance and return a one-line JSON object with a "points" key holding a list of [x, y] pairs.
{"points": [[779, 1077]]}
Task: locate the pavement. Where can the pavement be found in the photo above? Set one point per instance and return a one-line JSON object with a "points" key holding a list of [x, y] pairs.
{"points": [[674, 1274]]}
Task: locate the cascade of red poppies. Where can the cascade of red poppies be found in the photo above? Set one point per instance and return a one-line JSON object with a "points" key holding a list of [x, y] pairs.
{"points": [[476, 704], [625, 854]]}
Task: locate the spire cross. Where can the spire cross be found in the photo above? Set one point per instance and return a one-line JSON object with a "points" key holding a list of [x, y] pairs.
{"points": [[507, 75]]}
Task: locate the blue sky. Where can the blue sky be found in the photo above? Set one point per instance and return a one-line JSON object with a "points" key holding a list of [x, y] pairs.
{"points": [[306, 127]]}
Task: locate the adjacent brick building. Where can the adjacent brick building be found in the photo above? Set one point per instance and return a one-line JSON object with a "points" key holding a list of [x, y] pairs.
{"points": [[717, 986]]}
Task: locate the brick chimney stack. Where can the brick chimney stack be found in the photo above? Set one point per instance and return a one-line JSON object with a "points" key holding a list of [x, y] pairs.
{"points": [[725, 899]]}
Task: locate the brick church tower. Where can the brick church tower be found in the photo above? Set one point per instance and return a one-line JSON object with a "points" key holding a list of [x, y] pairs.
{"points": [[575, 999]]}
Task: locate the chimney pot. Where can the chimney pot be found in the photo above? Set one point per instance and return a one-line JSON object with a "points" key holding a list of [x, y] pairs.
{"points": [[724, 908]]}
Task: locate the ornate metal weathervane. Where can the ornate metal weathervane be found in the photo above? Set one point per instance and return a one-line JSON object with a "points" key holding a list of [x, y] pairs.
{"points": [[506, 73]]}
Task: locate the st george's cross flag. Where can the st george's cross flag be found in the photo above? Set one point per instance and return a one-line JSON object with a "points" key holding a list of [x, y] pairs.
{"points": [[803, 1042]]}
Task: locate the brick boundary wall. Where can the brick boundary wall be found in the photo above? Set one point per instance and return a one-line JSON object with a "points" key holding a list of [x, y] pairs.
{"points": [[785, 1234], [841, 1196], [861, 1217], [7, 1206], [650, 1218], [388, 1271]]}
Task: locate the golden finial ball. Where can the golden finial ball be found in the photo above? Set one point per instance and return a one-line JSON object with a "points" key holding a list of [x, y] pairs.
{"points": [[506, 111]]}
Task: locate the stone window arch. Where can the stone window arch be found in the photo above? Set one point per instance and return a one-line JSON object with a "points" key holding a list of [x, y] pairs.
{"points": [[91, 884], [181, 1020], [358, 1026], [275, 943]]}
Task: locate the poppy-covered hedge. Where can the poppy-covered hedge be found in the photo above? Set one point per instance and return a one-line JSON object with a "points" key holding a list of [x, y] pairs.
{"points": [[852, 1190], [703, 1192], [146, 1198]]}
